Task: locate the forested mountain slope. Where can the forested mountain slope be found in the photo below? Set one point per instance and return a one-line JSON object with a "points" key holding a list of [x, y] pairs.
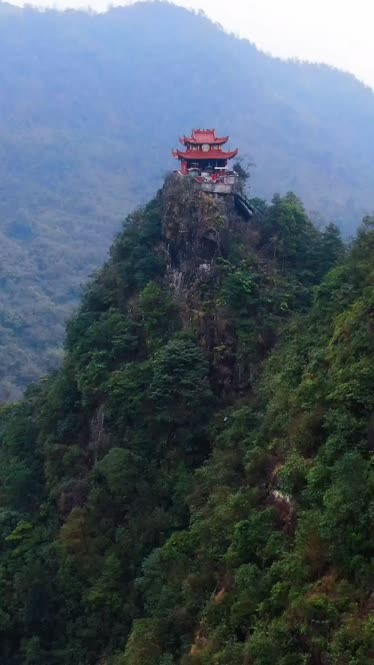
{"points": [[90, 106], [192, 487]]}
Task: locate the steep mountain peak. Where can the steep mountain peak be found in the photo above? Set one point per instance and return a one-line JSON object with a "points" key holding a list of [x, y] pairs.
{"points": [[91, 104], [191, 487]]}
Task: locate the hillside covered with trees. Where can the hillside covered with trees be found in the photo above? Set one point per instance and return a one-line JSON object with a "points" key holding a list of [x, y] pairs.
{"points": [[91, 106], [193, 486]]}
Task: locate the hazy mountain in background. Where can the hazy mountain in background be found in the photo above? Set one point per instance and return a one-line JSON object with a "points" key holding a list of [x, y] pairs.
{"points": [[90, 106]]}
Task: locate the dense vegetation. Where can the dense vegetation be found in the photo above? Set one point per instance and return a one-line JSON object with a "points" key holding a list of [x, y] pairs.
{"points": [[192, 487], [91, 106]]}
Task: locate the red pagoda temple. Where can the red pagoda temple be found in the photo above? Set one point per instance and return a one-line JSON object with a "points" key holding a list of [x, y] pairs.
{"points": [[206, 160]]}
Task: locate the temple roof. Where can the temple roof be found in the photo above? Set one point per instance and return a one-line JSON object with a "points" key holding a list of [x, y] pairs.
{"points": [[200, 136], [197, 155]]}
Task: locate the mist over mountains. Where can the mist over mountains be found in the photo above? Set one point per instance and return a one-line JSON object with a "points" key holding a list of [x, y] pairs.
{"points": [[90, 106], [192, 485]]}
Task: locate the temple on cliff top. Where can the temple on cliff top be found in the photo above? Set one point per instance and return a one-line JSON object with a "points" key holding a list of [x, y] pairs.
{"points": [[206, 160]]}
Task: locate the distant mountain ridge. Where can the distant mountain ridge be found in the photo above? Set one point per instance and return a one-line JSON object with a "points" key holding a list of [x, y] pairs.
{"points": [[90, 106]]}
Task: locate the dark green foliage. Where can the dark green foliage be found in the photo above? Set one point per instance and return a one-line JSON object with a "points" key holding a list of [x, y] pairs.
{"points": [[290, 237], [193, 487], [87, 123], [179, 388], [159, 313]]}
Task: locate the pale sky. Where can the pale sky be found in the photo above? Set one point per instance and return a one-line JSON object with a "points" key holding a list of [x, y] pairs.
{"points": [[336, 32]]}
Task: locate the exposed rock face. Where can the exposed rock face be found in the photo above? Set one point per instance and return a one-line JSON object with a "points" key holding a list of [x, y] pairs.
{"points": [[194, 224], [286, 509], [198, 228]]}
